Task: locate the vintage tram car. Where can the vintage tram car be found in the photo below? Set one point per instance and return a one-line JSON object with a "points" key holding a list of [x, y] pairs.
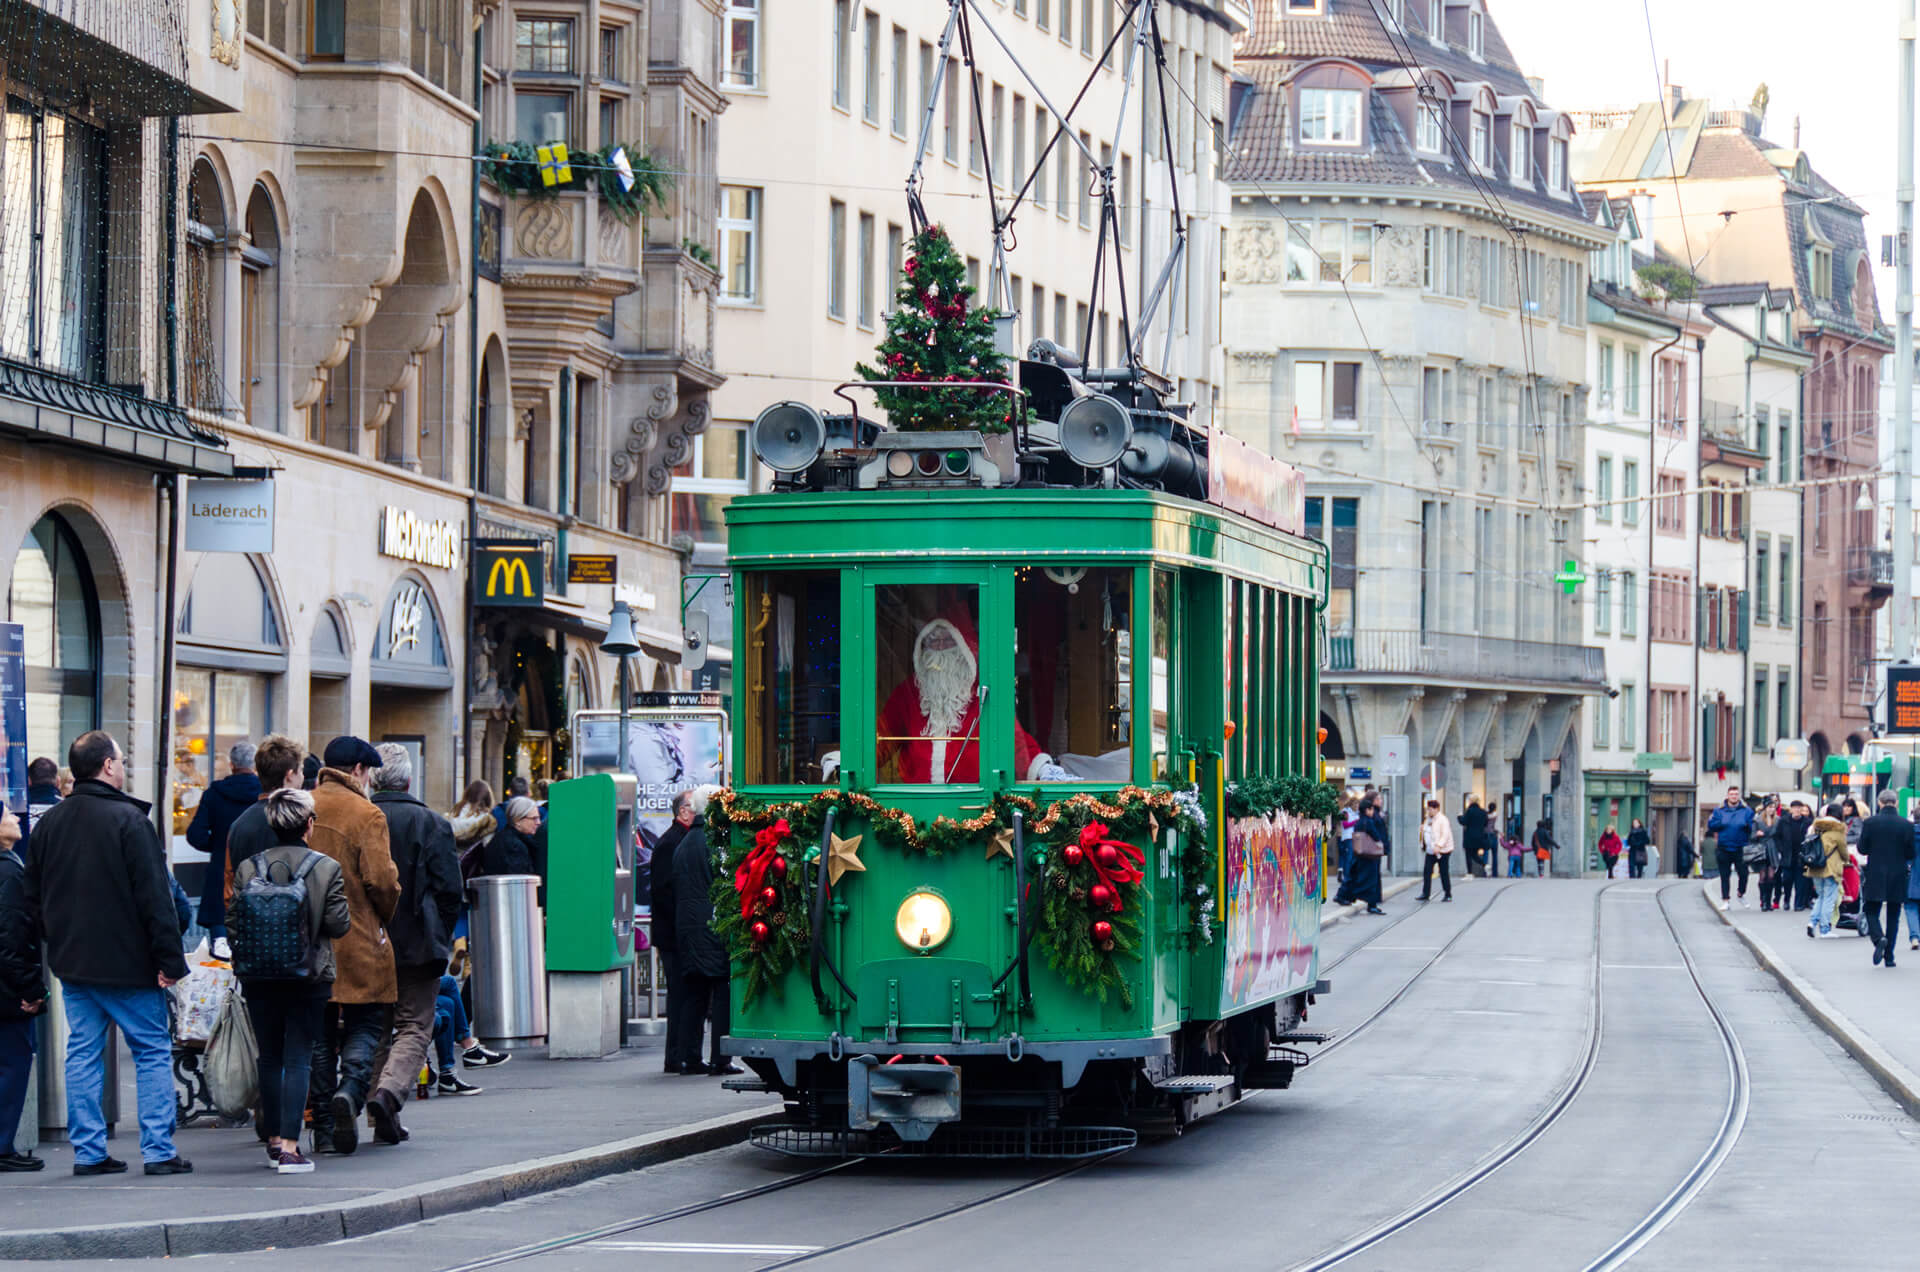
{"points": [[1025, 851]]}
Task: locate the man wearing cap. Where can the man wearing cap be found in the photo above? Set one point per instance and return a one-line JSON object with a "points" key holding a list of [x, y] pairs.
{"points": [[350, 829], [1886, 841]]}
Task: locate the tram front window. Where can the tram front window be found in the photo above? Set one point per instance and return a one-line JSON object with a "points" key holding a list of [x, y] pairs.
{"points": [[927, 682], [1074, 665], [792, 663]]}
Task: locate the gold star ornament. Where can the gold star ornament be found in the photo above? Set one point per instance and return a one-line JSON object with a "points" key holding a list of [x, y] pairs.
{"points": [[1001, 845], [843, 855]]}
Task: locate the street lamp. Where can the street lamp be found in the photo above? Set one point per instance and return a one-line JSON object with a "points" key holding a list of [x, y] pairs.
{"points": [[621, 644]]}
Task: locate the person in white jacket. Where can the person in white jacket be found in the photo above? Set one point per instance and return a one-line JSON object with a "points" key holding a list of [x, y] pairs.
{"points": [[1436, 839]]}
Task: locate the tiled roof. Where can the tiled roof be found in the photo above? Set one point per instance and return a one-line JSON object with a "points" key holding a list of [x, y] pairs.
{"points": [[1276, 44], [1724, 154], [1623, 301]]}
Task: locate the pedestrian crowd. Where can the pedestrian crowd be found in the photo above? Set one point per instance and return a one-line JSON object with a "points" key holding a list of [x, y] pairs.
{"points": [[334, 894]]}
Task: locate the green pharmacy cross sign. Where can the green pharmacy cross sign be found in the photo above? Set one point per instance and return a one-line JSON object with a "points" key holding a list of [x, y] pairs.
{"points": [[1569, 577]]}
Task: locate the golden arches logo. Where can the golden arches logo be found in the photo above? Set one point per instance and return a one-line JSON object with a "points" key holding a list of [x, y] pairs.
{"points": [[507, 569]]}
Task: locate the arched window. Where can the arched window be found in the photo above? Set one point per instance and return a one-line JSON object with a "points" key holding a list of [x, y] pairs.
{"points": [[329, 669], [231, 655], [1482, 138], [51, 596], [204, 332], [260, 316]]}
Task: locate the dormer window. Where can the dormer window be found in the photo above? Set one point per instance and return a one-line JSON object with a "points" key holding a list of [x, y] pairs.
{"points": [[1557, 165], [1820, 272], [1330, 116], [1437, 21], [1430, 136], [1302, 8], [1522, 158], [1390, 9], [1482, 139], [1476, 33]]}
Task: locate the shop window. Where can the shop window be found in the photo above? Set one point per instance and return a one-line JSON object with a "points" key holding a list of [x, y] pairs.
{"points": [[229, 605], [1073, 686], [927, 662], [212, 710], [51, 597], [791, 677]]}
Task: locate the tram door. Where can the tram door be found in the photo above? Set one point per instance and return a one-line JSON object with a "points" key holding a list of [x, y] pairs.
{"points": [[1171, 759]]}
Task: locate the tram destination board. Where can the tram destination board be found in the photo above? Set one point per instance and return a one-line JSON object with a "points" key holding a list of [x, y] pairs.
{"points": [[1903, 701]]}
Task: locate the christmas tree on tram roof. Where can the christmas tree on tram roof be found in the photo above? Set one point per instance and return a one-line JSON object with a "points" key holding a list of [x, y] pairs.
{"points": [[936, 335]]}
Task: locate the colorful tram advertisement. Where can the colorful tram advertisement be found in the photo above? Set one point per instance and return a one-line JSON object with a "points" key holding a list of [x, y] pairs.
{"points": [[1023, 851]]}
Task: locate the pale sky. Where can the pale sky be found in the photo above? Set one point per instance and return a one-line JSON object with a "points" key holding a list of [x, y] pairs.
{"points": [[1834, 65]]}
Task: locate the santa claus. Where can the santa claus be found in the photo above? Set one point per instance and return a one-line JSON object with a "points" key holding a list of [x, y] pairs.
{"points": [[930, 726]]}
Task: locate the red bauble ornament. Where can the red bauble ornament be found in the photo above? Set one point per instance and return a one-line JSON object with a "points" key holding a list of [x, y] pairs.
{"points": [[1100, 896], [1102, 931], [1073, 854], [777, 867], [760, 933], [768, 896], [1108, 856]]}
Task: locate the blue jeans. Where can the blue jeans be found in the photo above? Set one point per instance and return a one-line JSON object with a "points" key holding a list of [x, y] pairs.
{"points": [[142, 1017], [450, 1025], [1913, 920], [1826, 901], [16, 1062], [1516, 865], [1346, 857]]}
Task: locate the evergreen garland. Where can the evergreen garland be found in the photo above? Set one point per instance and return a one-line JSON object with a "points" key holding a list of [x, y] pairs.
{"points": [[515, 168], [1290, 792]]}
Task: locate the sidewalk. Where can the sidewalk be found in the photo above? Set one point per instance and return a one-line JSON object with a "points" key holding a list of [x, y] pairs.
{"points": [[539, 1125], [1868, 1010]]}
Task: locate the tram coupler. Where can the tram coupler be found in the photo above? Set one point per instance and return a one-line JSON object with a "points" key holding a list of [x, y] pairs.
{"points": [[912, 1099]]}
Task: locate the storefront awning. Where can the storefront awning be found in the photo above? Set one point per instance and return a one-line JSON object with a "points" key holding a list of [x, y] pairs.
{"points": [[1857, 765], [46, 407]]}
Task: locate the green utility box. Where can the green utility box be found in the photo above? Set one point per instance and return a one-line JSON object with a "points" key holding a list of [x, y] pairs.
{"points": [[590, 850]]}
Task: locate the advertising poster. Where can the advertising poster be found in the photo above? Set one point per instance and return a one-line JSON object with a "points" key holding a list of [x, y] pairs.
{"points": [[1273, 908], [670, 752], [13, 716]]}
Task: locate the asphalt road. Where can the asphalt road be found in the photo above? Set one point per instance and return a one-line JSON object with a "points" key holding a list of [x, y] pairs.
{"points": [[1494, 1056]]}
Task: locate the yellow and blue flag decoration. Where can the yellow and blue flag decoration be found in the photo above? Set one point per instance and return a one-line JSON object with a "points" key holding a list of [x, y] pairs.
{"points": [[622, 167], [554, 168]]}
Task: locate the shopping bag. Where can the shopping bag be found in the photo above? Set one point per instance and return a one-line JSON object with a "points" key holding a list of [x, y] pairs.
{"points": [[232, 1064], [198, 997]]}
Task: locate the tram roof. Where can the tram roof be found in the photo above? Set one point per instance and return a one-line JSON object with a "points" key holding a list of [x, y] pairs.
{"points": [[1014, 525]]}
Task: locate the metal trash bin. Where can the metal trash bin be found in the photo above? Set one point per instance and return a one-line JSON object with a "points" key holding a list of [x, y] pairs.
{"points": [[508, 943], [50, 1059]]}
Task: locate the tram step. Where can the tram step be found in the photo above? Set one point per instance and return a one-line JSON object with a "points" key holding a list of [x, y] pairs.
{"points": [[1272, 1075], [1194, 1084], [1307, 1035], [752, 1085]]}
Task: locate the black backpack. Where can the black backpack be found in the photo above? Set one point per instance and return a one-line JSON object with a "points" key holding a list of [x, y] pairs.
{"points": [[1813, 852], [267, 924]]}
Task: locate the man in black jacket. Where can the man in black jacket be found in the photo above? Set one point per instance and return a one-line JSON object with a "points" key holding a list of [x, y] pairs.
{"points": [[1886, 841], [703, 955], [661, 929], [23, 993], [421, 930], [43, 792], [97, 880], [220, 806], [1789, 832]]}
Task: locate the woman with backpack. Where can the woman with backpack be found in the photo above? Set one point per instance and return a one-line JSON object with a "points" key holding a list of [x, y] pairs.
{"points": [[289, 903], [1543, 846]]}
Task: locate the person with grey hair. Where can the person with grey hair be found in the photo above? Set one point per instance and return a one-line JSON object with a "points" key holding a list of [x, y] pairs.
{"points": [[287, 1009], [220, 807], [1886, 841], [520, 845], [421, 931]]}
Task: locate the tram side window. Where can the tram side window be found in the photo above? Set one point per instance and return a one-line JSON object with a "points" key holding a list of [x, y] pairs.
{"points": [[1162, 678], [927, 682], [792, 664], [1073, 698]]}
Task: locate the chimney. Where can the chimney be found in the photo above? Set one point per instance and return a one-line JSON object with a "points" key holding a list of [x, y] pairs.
{"points": [[1537, 86], [1796, 132]]}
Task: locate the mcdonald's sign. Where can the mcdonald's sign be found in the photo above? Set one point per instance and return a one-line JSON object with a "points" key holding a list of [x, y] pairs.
{"points": [[508, 573]]}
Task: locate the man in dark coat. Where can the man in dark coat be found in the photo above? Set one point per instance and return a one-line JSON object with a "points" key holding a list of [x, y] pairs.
{"points": [[421, 930], [662, 930], [98, 881], [43, 792], [1886, 841], [1473, 836], [1789, 832], [23, 993], [703, 956], [220, 806]]}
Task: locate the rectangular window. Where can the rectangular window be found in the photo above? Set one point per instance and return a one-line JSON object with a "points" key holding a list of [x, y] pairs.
{"points": [[1086, 181], [1630, 492], [609, 121], [1786, 604], [1017, 175], [1330, 116], [1762, 578], [1670, 503], [1066, 21], [610, 67], [1127, 195], [1602, 716], [1603, 488], [1060, 319], [864, 300], [53, 304], [1784, 459], [1758, 708], [1628, 725], [870, 67], [1086, 27], [1040, 135], [743, 44], [896, 261], [327, 30], [1604, 374], [836, 259], [542, 117], [973, 274], [1335, 522], [976, 144], [1062, 172], [1430, 134], [539, 44], [1602, 602], [792, 683], [1036, 312], [1346, 395], [1629, 604], [997, 123], [842, 54], [1783, 704], [926, 89], [950, 112], [927, 680], [739, 228], [1072, 692], [898, 113], [1309, 393]]}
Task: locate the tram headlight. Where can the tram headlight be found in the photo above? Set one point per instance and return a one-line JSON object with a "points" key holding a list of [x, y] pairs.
{"points": [[924, 922]]}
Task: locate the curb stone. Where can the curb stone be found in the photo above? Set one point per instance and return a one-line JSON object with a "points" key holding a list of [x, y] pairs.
{"points": [[377, 1212], [1897, 1079], [1331, 915]]}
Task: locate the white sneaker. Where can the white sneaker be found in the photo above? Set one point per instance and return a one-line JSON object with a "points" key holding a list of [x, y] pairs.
{"points": [[1745, 904], [1722, 903], [221, 950]]}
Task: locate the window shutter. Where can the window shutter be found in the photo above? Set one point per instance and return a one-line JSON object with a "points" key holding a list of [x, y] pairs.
{"points": [[1735, 734], [1708, 742], [1746, 620], [1701, 599]]}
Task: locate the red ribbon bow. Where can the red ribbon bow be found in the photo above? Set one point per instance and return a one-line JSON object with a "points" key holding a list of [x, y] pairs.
{"points": [[1093, 837], [752, 873]]}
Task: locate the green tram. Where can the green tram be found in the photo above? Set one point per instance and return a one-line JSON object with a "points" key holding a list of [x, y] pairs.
{"points": [[1015, 862]]}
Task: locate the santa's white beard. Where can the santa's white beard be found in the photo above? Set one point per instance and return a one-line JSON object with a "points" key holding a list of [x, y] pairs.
{"points": [[945, 679]]}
